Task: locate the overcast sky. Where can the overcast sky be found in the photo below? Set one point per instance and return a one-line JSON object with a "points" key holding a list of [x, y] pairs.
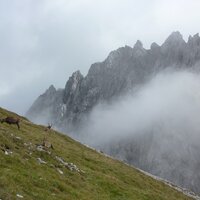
{"points": [[43, 41]]}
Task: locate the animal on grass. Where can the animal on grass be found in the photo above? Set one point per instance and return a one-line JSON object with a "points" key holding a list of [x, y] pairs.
{"points": [[46, 144], [47, 128], [11, 120]]}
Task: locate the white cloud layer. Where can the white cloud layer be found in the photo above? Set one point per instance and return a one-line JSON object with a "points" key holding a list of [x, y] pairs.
{"points": [[169, 104]]}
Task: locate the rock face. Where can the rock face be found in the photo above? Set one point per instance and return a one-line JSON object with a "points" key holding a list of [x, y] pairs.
{"points": [[124, 69], [47, 107]]}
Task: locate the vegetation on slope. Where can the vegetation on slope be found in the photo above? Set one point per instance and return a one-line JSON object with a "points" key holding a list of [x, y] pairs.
{"points": [[23, 175]]}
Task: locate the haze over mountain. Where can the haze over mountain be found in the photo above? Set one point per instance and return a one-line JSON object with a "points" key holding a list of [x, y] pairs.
{"points": [[140, 105]]}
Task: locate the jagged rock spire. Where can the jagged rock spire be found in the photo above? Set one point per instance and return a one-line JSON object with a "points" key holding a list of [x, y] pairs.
{"points": [[72, 85], [138, 48], [138, 45], [51, 90], [194, 40], [154, 46], [175, 38]]}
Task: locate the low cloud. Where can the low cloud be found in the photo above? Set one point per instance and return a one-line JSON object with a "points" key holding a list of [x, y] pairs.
{"points": [[156, 129], [170, 101]]}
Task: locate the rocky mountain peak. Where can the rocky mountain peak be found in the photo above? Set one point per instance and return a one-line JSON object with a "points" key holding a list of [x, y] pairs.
{"points": [[115, 56], [194, 40], [138, 48], [138, 45], [154, 46], [77, 74], [174, 39], [75, 79], [50, 90], [72, 85]]}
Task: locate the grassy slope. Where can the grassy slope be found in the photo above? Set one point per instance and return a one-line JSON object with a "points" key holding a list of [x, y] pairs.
{"points": [[104, 178]]}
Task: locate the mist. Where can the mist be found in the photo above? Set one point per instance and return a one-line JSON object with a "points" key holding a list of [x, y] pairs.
{"points": [[156, 128], [170, 99]]}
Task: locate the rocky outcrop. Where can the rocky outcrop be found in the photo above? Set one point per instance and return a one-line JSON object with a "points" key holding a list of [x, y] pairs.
{"points": [[47, 106]]}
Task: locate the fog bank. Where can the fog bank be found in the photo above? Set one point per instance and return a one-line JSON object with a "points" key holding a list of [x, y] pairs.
{"points": [[156, 129], [170, 99]]}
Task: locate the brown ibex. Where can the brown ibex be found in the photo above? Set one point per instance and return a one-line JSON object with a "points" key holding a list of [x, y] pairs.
{"points": [[11, 120], [46, 144]]}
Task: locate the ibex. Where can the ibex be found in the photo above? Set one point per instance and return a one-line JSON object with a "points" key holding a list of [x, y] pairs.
{"points": [[48, 127], [11, 120], [46, 143]]}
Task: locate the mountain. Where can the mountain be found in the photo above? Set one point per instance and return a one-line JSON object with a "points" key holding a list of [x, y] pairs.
{"points": [[123, 70], [160, 149], [28, 170]]}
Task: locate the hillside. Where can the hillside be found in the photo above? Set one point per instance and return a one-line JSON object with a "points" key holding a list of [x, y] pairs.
{"points": [[28, 171]]}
